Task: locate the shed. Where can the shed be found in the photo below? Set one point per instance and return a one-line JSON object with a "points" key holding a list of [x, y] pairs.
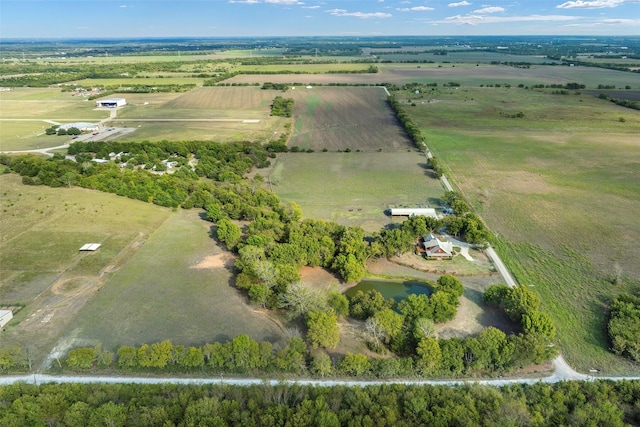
{"points": [[90, 247], [5, 316], [413, 212]]}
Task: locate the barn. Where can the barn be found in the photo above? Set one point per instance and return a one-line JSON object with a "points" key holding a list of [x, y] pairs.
{"points": [[111, 102], [413, 212]]}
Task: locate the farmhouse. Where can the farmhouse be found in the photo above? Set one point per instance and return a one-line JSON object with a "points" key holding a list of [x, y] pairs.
{"points": [[413, 212], [5, 316], [111, 102], [432, 247]]}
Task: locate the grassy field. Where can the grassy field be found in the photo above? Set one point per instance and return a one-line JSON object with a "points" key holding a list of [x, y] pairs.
{"points": [[163, 294], [337, 118], [208, 103], [560, 188], [41, 230], [152, 80], [303, 68], [354, 188]]}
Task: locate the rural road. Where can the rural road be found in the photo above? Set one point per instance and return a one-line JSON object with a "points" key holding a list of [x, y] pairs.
{"points": [[43, 379]]}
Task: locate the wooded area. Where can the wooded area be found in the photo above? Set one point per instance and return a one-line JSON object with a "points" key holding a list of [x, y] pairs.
{"points": [[599, 403]]}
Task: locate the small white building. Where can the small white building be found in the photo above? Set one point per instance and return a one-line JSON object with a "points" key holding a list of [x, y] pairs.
{"points": [[82, 126], [413, 212], [435, 248], [111, 102], [5, 316]]}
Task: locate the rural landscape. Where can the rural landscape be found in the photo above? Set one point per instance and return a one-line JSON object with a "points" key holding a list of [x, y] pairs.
{"points": [[388, 211]]}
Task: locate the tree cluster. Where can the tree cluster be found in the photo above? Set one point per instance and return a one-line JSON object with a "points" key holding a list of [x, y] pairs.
{"points": [[566, 403], [624, 326], [282, 107]]}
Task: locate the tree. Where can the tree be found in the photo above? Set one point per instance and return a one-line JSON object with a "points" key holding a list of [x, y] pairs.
{"points": [[339, 303], [424, 328], [323, 329], [321, 364], [355, 364], [416, 306], [299, 299], [365, 304], [450, 283], [81, 358], [228, 232], [389, 322], [444, 306], [429, 355]]}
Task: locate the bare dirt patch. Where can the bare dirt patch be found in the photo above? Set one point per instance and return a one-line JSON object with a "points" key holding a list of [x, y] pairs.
{"points": [[221, 260], [319, 277]]}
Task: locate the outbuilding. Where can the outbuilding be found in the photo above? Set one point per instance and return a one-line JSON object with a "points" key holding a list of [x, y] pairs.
{"points": [[413, 212], [111, 102], [5, 316]]}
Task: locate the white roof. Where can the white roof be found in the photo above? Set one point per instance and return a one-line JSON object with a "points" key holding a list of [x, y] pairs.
{"points": [[79, 125], [111, 99], [5, 313], [90, 247], [414, 211]]}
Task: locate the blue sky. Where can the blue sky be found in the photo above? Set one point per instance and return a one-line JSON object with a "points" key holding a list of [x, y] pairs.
{"points": [[227, 18]]}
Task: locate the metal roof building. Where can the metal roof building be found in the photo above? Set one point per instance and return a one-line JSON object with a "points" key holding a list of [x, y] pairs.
{"points": [[111, 102], [413, 211]]}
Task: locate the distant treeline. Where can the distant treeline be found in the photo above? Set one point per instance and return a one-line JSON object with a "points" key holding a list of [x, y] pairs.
{"points": [[598, 403]]}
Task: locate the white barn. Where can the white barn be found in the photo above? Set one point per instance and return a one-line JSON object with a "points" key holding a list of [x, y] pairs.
{"points": [[111, 102], [413, 212], [5, 316]]}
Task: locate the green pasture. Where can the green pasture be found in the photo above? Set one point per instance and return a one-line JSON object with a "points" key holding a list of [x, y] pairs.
{"points": [[354, 188], [41, 230], [491, 108], [67, 110], [560, 189], [35, 94], [27, 135], [161, 294], [152, 80]]}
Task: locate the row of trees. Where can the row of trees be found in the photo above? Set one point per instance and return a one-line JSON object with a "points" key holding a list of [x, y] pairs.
{"points": [[567, 403], [624, 326]]}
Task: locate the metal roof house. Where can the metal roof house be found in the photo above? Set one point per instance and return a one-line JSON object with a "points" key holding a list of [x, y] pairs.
{"points": [[435, 248], [413, 212], [111, 102]]}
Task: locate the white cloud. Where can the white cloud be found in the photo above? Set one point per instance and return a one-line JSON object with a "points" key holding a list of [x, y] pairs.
{"points": [[311, 7], [283, 2], [488, 19], [590, 4], [415, 9], [244, 1], [489, 9], [460, 3], [343, 12]]}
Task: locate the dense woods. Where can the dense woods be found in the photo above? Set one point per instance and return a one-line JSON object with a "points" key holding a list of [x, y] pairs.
{"points": [[599, 403], [624, 326]]}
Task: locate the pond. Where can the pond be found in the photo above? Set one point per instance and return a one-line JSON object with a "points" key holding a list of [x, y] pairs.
{"points": [[390, 289]]}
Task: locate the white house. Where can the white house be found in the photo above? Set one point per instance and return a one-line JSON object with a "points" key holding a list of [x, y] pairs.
{"points": [[5, 316], [111, 102]]}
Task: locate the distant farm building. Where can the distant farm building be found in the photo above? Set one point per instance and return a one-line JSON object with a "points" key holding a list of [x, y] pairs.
{"points": [[111, 102], [433, 247], [5, 316], [413, 212], [90, 247], [82, 126]]}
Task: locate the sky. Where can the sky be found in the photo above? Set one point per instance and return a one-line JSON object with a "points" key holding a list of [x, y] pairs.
{"points": [[262, 18]]}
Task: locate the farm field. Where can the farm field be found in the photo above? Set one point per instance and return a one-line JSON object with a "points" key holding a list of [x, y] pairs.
{"points": [[304, 68], [466, 74], [41, 230], [212, 105], [152, 80], [354, 188], [337, 118], [559, 186], [177, 286]]}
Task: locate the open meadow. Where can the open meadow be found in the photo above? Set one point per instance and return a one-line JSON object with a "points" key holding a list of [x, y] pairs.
{"points": [[41, 230], [178, 286], [355, 188], [559, 187]]}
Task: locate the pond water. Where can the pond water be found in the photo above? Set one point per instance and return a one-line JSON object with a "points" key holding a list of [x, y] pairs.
{"points": [[389, 289]]}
